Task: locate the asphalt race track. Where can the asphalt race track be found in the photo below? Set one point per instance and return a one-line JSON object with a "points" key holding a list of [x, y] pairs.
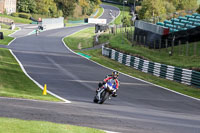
{"points": [[139, 108]]}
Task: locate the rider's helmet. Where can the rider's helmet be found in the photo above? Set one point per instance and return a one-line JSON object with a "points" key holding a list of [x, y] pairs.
{"points": [[115, 74]]}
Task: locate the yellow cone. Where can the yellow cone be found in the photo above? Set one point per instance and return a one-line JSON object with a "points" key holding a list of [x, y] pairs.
{"points": [[45, 90]]}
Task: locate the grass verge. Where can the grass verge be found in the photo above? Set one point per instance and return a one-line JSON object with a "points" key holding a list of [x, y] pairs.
{"points": [[80, 40], [7, 39], [125, 12], [9, 125], [187, 90], [97, 57], [100, 12], [162, 56], [17, 19], [14, 83]]}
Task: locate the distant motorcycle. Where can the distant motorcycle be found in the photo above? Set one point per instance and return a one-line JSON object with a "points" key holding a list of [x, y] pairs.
{"points": [[104, 92]]}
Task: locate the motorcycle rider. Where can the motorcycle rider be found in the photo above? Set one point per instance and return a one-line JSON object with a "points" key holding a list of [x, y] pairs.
{"points": [[114, 76]]}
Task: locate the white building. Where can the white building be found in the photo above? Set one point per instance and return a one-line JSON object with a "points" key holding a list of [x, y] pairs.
{"points": [[8, 5]]}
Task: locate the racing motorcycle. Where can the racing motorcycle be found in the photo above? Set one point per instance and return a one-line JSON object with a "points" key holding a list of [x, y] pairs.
{"points": [[104, 92]]}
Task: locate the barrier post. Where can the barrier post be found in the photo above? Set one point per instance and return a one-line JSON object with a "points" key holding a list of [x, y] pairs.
{"points": [[172, 48], [127, 34], [187, 48], [136, 38], [195, 48], [159, 44], [116, 29], [183, 49], [139, 40], [132, 38]]}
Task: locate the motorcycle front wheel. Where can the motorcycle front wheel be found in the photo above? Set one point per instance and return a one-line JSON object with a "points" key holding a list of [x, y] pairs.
{"points": [[95, 100], [104, 96]]}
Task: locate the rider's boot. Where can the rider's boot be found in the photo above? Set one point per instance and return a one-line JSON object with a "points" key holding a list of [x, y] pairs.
{"points": [[114, 94]]}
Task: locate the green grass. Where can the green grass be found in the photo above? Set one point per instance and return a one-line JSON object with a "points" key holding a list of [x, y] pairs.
{"points": [[179, 59], [83, 38], [17, 19], [71, 18], [6, 40], [14, 83], [126, 12], [9, 125], [178, 87], [100, 12], [4, 26], [7, 32], [97, 57], [198, 1]]}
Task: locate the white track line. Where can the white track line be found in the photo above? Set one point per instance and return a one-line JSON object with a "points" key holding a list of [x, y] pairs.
{"points": [[117, 15], [127, 74], [33, 100], [40, 86], [102, 13], [110, 131], [22, 67], [10, 35], [144, 80]]}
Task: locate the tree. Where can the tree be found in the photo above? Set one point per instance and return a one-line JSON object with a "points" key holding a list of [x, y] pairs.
{"points": [[152, 9], [184, 4], [27, 6], [47, 7], [85, 5], [198, 10], [169, 7], [67, 6], [96, 2], [187, 4], [126, 21], [55, 8]]}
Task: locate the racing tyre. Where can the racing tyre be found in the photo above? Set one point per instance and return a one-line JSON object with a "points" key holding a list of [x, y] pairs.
{"points": [[95, 100], [104, 96]]}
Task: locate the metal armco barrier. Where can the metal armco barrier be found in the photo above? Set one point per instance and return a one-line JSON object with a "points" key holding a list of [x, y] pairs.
{"points": [[185, 76]]}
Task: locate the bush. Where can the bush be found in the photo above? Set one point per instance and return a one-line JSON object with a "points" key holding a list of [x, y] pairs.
{"points": [[126, 21], [138, 8], [15, 14], [24, 15], [5, 26]]}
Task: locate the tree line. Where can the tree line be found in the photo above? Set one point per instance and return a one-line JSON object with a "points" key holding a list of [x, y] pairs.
{"points": [[148, 9], [57, 8], [163, 8]]}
